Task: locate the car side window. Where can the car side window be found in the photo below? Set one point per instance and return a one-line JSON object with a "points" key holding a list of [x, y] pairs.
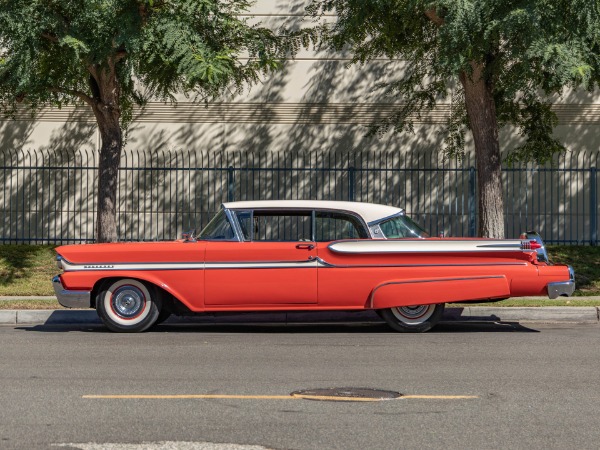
{"points": [[401, 227], [275, 225], [331, 226], [218, 229]]}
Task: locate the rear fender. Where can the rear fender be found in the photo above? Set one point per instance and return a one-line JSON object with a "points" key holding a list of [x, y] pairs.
{"points": [[395, 293]]}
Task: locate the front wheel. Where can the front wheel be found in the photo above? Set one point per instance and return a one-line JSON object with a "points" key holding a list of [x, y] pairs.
{"points": [[413, 319], [128, 305]]}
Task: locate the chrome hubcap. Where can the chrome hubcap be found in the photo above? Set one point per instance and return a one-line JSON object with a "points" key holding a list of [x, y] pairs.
{"points": [[128, 301], [413, 315], [413, 312]]}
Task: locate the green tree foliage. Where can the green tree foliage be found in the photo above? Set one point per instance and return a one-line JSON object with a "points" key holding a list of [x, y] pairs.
{"points": [[499, 62], [114, 54]]}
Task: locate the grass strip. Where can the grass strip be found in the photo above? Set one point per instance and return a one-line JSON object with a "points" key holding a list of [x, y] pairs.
{"points": [[585, 260], [30, 304], [27, 269]]}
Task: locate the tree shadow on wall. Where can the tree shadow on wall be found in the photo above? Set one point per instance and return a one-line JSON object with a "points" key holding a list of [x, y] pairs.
{"points": [[45, 190], [555, 199], [282, 149], [291, 146]]}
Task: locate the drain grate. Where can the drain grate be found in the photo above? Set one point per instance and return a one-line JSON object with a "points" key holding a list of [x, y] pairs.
{"points": [[347, 394]]}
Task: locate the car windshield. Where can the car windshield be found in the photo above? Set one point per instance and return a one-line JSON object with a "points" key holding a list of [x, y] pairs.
{"points": [[401, 226], [218, 228]]}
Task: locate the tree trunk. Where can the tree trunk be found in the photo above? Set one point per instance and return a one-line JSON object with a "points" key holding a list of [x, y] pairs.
{"points": [[481, 111], [108, 179], [105, 90]]}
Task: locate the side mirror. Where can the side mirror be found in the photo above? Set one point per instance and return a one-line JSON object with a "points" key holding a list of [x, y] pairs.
{"points": [[188, 236]]}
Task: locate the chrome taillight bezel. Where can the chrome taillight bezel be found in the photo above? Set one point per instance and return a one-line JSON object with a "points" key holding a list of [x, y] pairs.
{"points": [[542, 253]]}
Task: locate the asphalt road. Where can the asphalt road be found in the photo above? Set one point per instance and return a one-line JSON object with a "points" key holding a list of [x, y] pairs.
{"points": [[533, 387]]}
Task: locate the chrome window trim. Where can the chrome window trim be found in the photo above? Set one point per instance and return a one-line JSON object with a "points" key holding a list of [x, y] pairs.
{"points": [[313, 214], [238, 228], [234, 225]]}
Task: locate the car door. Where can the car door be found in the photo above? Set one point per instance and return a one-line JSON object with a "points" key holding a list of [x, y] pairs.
{"points": [[344, 280], [275, 264]]}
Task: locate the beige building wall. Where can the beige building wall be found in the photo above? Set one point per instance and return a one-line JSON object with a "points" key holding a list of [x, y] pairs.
{"points": [[315, 102], [314, 112]]}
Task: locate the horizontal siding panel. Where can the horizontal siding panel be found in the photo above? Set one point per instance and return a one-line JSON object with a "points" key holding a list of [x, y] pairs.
{"points": [[288, 113]]}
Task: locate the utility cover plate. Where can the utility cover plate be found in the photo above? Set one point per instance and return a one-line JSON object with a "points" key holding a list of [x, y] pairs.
{"points": [[347, 394]]}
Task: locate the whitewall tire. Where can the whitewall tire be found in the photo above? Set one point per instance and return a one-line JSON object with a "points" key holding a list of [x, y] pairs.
{"points": [[128, 305], [413, 319]]}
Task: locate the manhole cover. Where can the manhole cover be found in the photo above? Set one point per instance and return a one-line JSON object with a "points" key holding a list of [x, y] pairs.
{"points": [[346, 394]]}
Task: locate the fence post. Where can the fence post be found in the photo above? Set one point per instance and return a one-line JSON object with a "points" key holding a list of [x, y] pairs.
{"points": [[351, 179], [593, 207], [471, 202], [230, 183]]}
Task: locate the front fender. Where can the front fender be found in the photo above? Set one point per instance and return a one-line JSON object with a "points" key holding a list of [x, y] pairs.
{"points": [[189, 290], [396, 293]]}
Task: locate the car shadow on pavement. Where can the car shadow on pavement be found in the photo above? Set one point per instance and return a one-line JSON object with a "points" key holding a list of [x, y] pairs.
{"points": [[293, 328]]}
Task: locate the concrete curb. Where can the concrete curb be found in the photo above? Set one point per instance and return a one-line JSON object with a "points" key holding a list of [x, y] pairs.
{"points": [[569, 314]]}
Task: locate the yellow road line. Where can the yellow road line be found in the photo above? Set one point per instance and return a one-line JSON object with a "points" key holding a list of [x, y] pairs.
{"points": [[193, 396], [276, 397], [440, 397]]}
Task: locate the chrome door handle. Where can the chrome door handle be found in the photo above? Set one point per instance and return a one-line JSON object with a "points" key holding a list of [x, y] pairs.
{"points": [[305, 246]]}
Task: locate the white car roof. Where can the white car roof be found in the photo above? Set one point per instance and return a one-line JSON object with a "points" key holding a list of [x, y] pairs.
{"points": [[368, 211]]}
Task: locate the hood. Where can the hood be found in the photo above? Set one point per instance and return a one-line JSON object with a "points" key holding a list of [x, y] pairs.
{"points": [[131, 252]]}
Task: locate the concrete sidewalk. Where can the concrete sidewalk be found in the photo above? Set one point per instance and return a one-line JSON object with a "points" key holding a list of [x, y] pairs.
{"points": [[559, 314]]}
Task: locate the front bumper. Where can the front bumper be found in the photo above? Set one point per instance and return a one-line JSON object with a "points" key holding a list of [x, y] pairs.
{"points": [[562, 288], [70, 299]]}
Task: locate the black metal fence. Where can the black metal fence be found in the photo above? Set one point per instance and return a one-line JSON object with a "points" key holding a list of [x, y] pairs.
{"points": [[50, 197]]}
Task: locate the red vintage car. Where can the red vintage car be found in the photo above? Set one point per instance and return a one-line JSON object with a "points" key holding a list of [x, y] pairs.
{"points": [[303, 256]]}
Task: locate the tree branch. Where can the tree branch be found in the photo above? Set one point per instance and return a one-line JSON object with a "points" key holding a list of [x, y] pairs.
{"points": [[119, 55], [432, 15], [49, 36], [81, 95]]}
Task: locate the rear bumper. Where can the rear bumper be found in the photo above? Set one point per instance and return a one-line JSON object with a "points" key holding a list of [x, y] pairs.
{"points": [[562, 288], [70, 299]]}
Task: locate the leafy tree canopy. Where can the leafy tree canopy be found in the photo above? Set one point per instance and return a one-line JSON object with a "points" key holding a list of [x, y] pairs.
{"points": [[114, 54], [528, 50], [157, 48]]}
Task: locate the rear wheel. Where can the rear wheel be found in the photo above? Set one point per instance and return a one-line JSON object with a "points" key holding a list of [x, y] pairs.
{"points": [[413, 319], [128, 305]]}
